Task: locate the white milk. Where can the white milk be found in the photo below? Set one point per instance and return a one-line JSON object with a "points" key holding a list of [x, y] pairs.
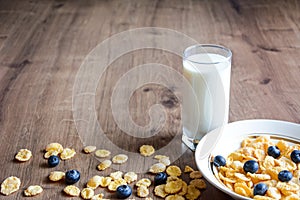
{"points": [[211, 85]]}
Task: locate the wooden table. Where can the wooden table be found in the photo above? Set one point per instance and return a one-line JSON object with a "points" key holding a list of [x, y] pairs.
{"points": [[43, 44]]}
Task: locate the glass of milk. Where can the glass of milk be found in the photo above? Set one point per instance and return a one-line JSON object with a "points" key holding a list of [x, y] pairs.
{"points": [[206, 102]]}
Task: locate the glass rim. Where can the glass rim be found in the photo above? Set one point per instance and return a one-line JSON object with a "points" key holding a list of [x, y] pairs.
{"points": [[226, 58]]}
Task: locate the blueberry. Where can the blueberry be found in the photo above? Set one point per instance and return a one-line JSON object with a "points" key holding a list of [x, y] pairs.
{"points": [[123, 191], [250, 166], [295, 156], [260, 189], [285, 176], [219, 161], [160, 178], [273, 151], [72, 176], [53, 161]]}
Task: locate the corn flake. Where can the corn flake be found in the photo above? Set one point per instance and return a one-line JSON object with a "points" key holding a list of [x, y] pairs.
{"points": [[23, 155], [51, 153], [104, 165], [113, 185], [175, 197], [33, 190], [67, 153], [188, 169], [89, 149], [160, 191], [72, 190], [173, 187], [142, 191], [195, 174], [129, 177], [10, 185], [156, 168], [94, 182], [144, 181], [173, 170], [105, 181], [56, 175], [54, 147], [102, 153], [116, 175], [192, 193], [198, 183], [147, 150], [120, 159], [87, 193]]}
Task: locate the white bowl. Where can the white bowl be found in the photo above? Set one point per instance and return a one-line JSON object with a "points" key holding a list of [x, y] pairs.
{"points": [[224, 140]]}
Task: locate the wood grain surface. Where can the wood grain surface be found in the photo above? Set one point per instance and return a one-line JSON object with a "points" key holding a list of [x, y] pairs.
{"points": [[43, 44]]}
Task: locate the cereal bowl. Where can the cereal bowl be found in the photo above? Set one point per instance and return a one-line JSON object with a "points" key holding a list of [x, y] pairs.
{"points": [[227, 139]]}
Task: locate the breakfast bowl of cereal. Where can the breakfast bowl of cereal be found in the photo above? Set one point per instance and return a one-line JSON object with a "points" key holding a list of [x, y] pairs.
{"points": [[252, 159]]}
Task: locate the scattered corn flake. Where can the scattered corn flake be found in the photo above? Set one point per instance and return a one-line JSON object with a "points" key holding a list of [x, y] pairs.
{"points": [[89, 149], [192, 193], [98, 196], [87, 193], [147, 150], [188, 169], [54, 147], [165, 161], [173, 187], [198, 183], [172, 178], [160, 191], [56, 175], [105, 181], [142, 191], [33, 190], [23, 155], [116, 175], [120, 159], [104, 165], [129, 177], [183, 189], [94, 182], [148, 198], [195, 174], [72, 190], [173, 170], [10, 185], [156, 168], [102, 153], [113, 185], [144, 181], [175, 197], [67, 153], [50, 153]]}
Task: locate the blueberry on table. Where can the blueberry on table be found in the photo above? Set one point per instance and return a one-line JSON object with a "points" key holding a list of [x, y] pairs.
{"points": [[53, 161], [295, 156], [124, 191], [160, 178], [219, 161], [72, 176], [251, 166], [285, 176], [260, 189], [273, 151]]}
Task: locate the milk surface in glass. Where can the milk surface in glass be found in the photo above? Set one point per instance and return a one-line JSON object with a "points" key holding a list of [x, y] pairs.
{"points": [[207, 108]]}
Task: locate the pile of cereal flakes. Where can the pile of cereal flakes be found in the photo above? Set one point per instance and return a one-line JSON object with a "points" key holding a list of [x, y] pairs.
{"points": [[234, 177], [175, 187]]}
